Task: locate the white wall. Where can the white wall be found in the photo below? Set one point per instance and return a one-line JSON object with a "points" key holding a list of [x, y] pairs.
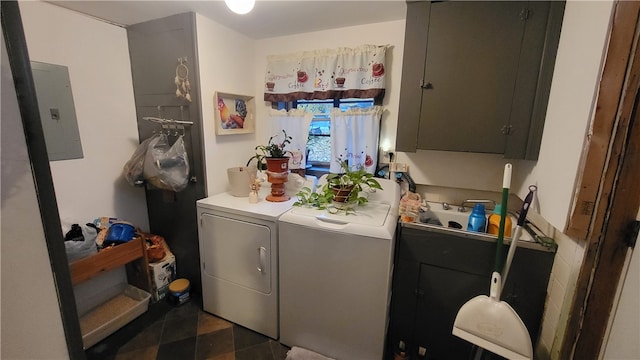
{"points": [[583, 41], [30, 313], [97, 55], [226, 65]]}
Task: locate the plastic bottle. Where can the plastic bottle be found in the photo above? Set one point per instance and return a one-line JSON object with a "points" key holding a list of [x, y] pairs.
{"points": [[494, 222], [477, 219]]}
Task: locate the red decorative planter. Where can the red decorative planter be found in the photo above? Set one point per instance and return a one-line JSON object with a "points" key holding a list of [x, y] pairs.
{"points": [[277, 175]]}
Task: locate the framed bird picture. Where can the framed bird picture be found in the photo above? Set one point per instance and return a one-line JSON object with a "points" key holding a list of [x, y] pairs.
{"points": [[234, 114]]}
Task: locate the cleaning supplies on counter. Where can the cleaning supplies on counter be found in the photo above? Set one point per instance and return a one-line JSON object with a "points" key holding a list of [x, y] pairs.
{"points": [[494, 222], [477, 219], [409, 208]]}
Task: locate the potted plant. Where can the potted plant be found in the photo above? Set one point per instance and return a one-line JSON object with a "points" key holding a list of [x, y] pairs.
{"points": [[348, 185], [277, 165], [274, 154], [341, 190]]}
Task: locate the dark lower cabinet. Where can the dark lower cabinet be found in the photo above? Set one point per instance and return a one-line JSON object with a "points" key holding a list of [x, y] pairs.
{"points": [[437, 271]]}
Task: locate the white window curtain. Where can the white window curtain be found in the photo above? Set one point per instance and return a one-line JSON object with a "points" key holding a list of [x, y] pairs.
{"points": [[295, 123], [354, 137]]}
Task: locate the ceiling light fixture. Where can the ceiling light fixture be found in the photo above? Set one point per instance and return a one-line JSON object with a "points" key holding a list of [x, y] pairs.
{"points": [[240, 6]]}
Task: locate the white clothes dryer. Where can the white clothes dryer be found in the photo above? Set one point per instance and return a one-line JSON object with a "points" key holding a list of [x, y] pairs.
{"points": [[335, 276], [238, 256]]}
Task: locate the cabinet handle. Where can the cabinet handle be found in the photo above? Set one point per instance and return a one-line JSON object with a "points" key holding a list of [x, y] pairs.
{"points": [[427, 86], [262, 259]]}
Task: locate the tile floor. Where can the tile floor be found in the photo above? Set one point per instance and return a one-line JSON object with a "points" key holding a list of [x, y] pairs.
{"points": [[185, 332]]}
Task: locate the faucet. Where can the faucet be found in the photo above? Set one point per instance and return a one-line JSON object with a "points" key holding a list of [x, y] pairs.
{"points": [[461, 208]]}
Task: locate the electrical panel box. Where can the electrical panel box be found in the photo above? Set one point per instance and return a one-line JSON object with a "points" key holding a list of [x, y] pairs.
{"points": [[57, 111]]}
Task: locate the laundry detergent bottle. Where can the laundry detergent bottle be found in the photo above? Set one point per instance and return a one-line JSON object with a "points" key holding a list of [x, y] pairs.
{"points": [[494, 222], [477, 219]]}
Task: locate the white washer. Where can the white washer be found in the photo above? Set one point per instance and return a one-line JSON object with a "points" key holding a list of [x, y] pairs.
{"points": [[335, 277], [238, 256]]}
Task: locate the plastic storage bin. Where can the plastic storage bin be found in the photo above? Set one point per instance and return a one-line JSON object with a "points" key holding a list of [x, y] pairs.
{"points": [[110, 316]]}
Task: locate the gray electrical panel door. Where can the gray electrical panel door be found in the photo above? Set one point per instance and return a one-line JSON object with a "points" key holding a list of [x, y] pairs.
{"points": [[57, 111]]}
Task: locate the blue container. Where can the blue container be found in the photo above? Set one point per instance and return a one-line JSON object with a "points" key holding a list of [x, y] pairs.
{"points": [[120, 232], [477, 219]]}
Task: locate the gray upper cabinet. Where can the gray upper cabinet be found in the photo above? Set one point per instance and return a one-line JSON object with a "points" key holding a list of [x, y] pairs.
{"points": [[476, 76]]}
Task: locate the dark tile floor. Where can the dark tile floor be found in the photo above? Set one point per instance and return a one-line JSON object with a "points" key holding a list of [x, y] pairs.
{"points": [[185, 332]]}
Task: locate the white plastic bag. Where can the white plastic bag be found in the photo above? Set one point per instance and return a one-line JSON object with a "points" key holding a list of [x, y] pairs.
{"points": [[166, 166], [82, 248], [132, 170]]}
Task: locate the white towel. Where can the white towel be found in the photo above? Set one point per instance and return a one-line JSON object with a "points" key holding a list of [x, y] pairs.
{"points": [[297, 353]]}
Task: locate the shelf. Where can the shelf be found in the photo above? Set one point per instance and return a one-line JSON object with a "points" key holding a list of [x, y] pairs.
{"points": [[129, 303], [105, 260]]}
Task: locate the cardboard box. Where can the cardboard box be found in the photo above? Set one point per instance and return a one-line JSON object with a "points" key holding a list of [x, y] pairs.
{"points": [[162, 273]]}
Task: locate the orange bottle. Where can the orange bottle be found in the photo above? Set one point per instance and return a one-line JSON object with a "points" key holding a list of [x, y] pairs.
{"points": [[494, 222]]}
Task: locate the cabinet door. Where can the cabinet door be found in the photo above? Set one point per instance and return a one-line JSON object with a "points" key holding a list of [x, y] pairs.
{"points": [[237, 251], [442, 292], [476, 76], [470, 72], [435, 273]]}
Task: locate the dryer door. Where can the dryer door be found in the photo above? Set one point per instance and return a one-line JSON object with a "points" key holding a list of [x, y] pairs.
{"points": [[237, 251]]}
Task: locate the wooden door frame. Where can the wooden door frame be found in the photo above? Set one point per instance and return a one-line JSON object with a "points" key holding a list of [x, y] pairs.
{"points": [[608, 194]]}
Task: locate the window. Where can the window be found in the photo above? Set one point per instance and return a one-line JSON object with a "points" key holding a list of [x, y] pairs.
{"points": [[319, 142]]}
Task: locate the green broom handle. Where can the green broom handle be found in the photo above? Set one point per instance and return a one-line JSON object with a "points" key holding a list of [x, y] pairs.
{"points": [[506, 183]]}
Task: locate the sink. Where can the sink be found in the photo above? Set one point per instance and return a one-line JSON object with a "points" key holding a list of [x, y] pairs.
{"points": [[439, 217]]}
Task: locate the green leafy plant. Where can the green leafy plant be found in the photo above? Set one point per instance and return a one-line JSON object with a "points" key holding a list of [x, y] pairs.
{"points": [[354, 181], [273, 149], [309, 198]]}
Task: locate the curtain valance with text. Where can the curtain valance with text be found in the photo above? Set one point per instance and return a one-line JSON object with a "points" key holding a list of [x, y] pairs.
{"points": [[327, 74]]}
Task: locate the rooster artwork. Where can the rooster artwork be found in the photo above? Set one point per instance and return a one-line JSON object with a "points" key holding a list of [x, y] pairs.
{"points": [[230, 120]]}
